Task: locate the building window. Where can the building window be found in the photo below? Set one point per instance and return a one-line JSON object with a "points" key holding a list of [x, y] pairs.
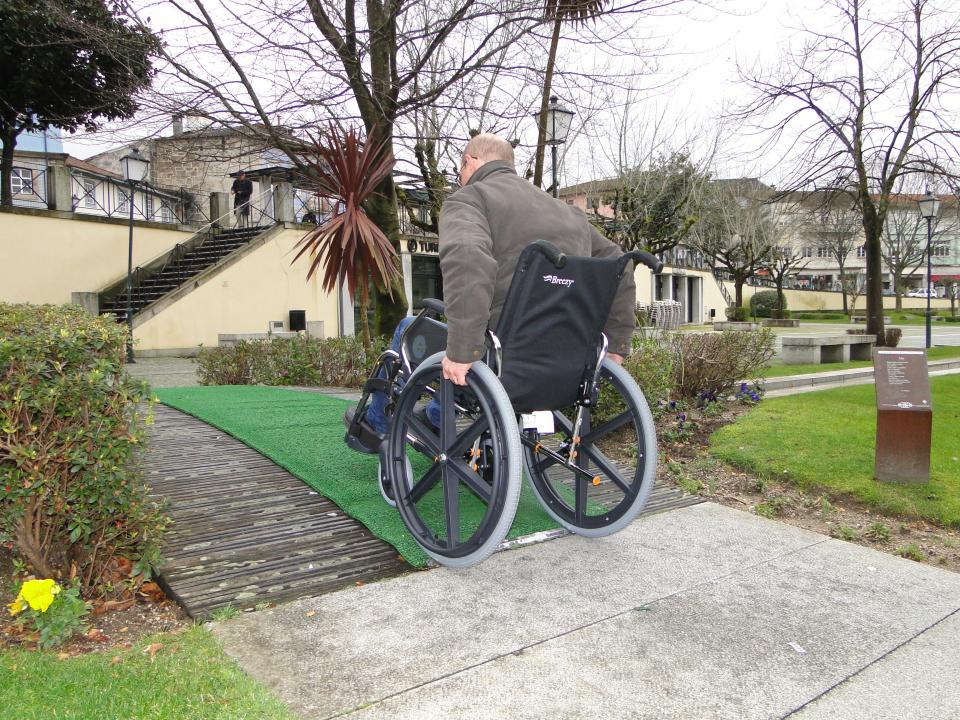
{"points": [[808, 251], [89, 192], [941, 250], [124, 205], [861, 251], [21, 181], [147, 206], [166, 214], [823, 252]]}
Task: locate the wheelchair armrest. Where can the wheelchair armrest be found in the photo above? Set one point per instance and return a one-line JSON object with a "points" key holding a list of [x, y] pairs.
{"points": [[436, 307], [651, 261]]}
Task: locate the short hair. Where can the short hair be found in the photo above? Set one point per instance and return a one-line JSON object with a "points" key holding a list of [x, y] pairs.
{"points": [[488, 147]]}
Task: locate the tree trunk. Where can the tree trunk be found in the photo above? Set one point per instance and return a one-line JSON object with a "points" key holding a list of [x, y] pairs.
{"points": [[738, 291], [874, 290], [544, 104], [382, 209], [898, 290], [843, 288], [9, 138]]}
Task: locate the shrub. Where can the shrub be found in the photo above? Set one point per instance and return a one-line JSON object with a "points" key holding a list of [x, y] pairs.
{"points": [[339, 362], [737, 314], [716, 362], [892, 337], [650, 364], [764, 303], [71, 501]]}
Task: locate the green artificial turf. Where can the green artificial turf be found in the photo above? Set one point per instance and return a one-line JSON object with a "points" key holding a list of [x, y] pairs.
{"points": [[826, 441], [948, 352], [187, 676], [303, 433]]}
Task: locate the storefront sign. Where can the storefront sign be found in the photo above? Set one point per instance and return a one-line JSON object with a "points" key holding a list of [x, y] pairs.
{"points": [[426, 247]]}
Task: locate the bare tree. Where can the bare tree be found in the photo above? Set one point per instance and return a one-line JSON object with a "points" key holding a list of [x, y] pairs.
{"points": [[274, 68], [736, 230], [783, 262], [904, 241], [838, 228], [866, 100]]}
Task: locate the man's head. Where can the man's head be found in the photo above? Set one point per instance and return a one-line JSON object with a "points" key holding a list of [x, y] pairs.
{"points": [[241, 175], [480, 150]]}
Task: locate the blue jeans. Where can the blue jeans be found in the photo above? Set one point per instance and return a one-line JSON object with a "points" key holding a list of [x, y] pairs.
{"points": [[376, 414]]}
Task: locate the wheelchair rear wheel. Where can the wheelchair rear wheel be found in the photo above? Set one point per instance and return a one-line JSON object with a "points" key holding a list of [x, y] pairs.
{"points": [[616, 459], [457, 486]]}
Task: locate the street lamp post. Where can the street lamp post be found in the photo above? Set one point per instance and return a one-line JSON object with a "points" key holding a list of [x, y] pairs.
{"points": [[135, 169], [558, 127], [929, 207]]}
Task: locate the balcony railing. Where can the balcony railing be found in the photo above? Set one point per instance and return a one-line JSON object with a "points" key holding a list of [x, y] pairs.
{"points": [[107, 197]]}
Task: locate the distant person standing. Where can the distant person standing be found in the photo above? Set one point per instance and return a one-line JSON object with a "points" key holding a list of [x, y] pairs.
{"points": [[242, 189]]}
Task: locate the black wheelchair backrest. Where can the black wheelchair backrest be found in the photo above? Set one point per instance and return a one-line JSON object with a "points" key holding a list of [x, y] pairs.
{"points": [[551, 324]]}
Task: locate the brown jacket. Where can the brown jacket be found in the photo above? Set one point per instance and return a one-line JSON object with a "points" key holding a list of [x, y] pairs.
{"points": [[484, 227]]}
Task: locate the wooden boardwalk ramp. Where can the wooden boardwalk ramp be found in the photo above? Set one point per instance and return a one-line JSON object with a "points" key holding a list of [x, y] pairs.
{"points": [[245, 531]]}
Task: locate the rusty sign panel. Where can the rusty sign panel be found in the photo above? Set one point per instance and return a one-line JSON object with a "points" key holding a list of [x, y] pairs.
{"points": [[904, 415]]}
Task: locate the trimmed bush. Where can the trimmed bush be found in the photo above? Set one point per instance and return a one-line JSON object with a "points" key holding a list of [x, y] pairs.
{"points": [[71, 500], [651, 365], [737, 314], [334, 362], [716, 362], [764, 303]]}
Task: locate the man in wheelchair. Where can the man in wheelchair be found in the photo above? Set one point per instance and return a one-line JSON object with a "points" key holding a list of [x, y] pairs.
{"points": [[539, 311]]}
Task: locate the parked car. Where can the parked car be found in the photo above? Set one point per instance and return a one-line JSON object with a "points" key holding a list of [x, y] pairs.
{"points": [[922, 293]]}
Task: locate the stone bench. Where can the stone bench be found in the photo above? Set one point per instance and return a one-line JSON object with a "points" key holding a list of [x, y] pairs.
{"points": [[231, 339], [863, 319], [814, 349], [737, 326], [775, 322]]}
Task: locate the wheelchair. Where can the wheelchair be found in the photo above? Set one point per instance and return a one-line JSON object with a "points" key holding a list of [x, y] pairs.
{"points": [[545, 399]]}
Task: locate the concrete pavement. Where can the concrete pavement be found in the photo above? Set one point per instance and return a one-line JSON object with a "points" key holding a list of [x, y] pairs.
{"points": [[703, 612]]}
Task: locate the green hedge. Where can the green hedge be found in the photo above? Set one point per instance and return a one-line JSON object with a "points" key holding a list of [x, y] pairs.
{"points": [[71, 420], [763, 304], [334, 362]]}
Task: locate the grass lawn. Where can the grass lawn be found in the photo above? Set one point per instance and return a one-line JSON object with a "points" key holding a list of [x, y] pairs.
{"points": [[937, 353], [825, 441], [188, 677]]}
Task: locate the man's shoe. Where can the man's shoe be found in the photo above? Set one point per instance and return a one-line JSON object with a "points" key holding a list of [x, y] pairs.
{"points": [[360, 436], [420, 413]]}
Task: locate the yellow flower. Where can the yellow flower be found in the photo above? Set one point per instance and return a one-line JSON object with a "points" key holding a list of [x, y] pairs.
{"points": [[38, 594], [17, 606]]}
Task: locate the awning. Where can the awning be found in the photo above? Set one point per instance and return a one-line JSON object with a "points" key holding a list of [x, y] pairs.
{"points": [[940, 278]]}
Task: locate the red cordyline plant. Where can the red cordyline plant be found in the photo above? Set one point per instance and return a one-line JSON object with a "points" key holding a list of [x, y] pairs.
{"points": [[348, 244]]}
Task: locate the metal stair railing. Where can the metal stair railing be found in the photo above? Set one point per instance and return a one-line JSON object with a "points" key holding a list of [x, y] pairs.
{"points": [[173, 259]]}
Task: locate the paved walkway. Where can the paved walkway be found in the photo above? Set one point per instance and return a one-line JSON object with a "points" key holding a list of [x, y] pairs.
{"points": [[703, 612]]}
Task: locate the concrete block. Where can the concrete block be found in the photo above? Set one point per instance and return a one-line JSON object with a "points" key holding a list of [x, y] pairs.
{"points": [[315, 329], [231, 339], [89, 301]]}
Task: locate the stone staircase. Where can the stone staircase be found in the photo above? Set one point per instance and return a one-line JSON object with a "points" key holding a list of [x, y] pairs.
{"points": [[166, 274]]}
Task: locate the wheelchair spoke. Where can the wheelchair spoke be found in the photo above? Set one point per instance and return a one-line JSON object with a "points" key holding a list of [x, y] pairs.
{"points": [[608, 468], [472, 480], [448, 422], [581, 500], [608, 427], [465, 439], [425, 484], [451, 506], [426, 436]]}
